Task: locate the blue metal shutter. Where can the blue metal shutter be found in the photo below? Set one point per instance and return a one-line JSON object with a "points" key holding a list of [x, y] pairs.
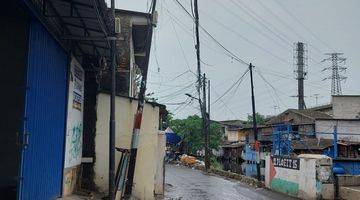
{"points": [[42, 161]]}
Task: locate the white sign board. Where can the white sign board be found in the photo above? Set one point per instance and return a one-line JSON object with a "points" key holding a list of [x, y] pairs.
{"points": [[74, 127]]}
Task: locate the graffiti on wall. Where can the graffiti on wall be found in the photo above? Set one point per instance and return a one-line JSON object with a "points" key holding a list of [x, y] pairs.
{"points": [[286, 162], [283, 174], [74, 127]]}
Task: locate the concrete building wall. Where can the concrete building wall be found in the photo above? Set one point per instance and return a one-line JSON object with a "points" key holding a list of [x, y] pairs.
{"points": [[346, 107], [146, 162], [232, 135], [343, 127]]}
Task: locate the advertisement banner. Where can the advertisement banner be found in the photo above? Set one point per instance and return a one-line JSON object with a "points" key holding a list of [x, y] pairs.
{"points": [[74, 127]]}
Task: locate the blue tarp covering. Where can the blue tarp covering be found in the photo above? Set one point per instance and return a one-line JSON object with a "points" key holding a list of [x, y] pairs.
{"points": [[171, 137]]}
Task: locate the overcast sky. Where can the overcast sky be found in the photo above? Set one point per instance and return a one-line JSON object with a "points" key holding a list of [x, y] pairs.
{"points": [[257, 31]]}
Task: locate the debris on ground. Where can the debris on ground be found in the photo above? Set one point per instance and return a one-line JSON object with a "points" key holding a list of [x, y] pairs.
{"points": [[190, 161]]}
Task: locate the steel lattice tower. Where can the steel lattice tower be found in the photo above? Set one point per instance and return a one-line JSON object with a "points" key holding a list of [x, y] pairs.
{"points": [[337, 66]]}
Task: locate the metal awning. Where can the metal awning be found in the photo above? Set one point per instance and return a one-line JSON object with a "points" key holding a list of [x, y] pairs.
{"points": [[81, 26]]}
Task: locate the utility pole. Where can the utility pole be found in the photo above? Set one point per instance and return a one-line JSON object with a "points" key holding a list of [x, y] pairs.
{"points": [[205, 126], [112, 112], [300, 73], [202, 103], [197, 47], [316, 96], [209, 105], [257, 144], [337, 66], [138, 115]]}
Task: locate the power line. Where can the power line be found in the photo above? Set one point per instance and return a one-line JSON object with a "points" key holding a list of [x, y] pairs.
{"points": [[239, 80], [285, 24], [250, 24], [261, 21], [178, 40], [249, 41], [303, 25], [226, 106], [234, 56]]}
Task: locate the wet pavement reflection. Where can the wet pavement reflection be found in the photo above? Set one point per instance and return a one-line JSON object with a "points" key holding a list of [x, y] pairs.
{"points": [[185, 183]]}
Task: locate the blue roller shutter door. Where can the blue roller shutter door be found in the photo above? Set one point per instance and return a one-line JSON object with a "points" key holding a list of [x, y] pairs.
{"points": [[42, 161]]}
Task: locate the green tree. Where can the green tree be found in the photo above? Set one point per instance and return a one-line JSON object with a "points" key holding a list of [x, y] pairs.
{"points": [[190, 129], [260, 119]]}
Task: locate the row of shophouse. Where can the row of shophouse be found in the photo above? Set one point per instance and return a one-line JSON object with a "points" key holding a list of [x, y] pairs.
{"points": [[332, 130], [55, 105]]}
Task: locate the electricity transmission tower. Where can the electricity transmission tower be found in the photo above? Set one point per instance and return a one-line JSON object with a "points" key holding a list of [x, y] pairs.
{"points": [[300, 55], [337, 66]]}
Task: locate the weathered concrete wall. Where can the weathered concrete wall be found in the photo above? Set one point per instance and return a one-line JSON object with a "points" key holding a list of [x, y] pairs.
{"points": [[348, 180], [348, 186], [350, 193], [308, 177], [146, 162], [315, 177], [346, 106], [160, 169], [343, 126], [71, 179]]}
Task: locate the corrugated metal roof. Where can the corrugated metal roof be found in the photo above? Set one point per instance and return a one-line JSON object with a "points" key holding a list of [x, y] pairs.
{"points": [[85, 23]]}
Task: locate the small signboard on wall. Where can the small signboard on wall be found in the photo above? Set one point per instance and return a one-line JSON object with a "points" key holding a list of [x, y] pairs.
{"points": [[74, 127], [286, 162]]}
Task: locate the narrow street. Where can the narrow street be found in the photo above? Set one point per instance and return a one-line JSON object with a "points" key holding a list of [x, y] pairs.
{"points": [[184, 183]]}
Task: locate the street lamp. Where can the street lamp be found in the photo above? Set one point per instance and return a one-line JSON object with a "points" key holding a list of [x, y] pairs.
{"points": [[189, 95]]}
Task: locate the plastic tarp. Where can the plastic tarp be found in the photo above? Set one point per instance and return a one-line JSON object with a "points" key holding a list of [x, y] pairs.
{"points": [[171, 137]]}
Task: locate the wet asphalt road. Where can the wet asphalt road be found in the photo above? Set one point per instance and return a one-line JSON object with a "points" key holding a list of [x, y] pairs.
{"points": [[184, 183]]}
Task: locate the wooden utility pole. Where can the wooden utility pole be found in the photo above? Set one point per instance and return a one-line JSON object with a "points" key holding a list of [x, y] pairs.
{"points": [[256, 144]]}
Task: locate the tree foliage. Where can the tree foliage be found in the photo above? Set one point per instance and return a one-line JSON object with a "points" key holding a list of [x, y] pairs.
{"points": [[260, 119], [190, 129]]}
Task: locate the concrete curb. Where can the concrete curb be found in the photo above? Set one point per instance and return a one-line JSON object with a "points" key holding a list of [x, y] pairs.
{"points": [[244, 179]]}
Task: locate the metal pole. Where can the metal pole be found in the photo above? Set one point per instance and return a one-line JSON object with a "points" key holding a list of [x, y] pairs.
{"points": [[335, 143], [205, 126], [209, 100], [138, 115], [112, 113], [254, 123]]}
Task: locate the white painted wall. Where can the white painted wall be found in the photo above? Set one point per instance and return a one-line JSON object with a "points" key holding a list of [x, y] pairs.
{"points": [[146, 162], [315, 171], [232, 136], [343, 126], [346, 107], [307, 182], [160, 170]]}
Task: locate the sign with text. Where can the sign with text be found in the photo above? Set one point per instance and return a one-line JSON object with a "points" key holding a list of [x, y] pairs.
{"points": [[74, 127], [286, 162]]}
